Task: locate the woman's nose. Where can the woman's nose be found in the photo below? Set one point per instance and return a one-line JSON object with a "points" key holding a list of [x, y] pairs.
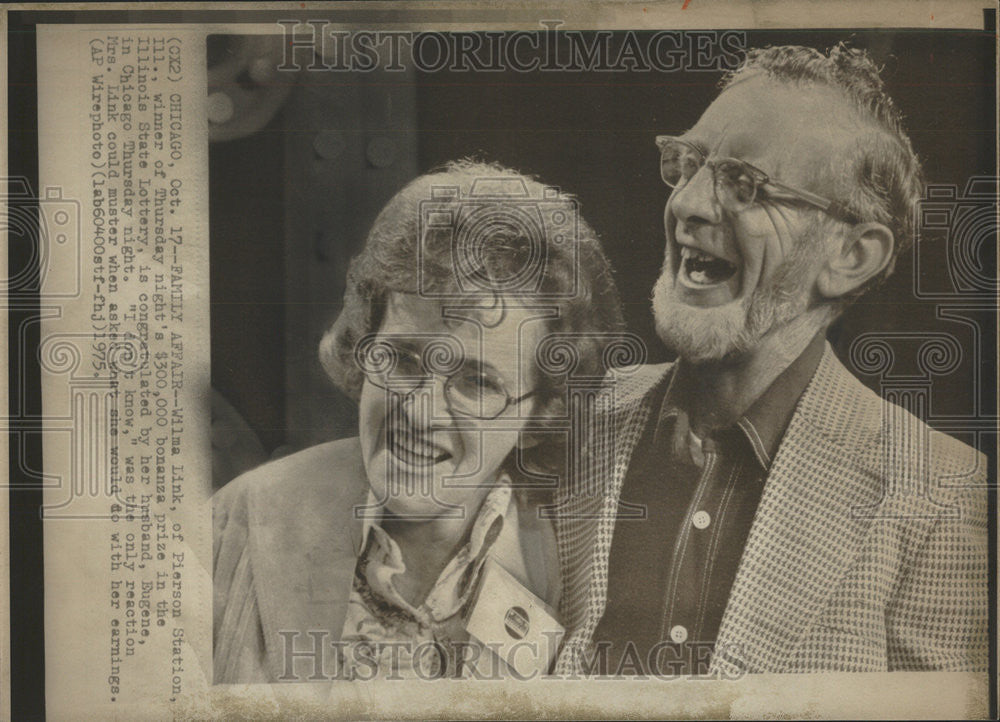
{"points": [[431, 398]]}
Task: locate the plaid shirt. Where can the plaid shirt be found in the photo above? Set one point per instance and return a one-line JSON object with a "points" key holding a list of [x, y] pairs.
{"points": [[868, 551]]}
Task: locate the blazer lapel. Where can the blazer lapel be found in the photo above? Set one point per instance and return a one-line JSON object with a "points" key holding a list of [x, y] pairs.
{"points": [[806, 530], [587, 508], [304, 544]]}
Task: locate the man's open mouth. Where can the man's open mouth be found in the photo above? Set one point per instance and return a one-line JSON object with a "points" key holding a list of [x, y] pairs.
{"points": [[415, 450], [704, 269]]}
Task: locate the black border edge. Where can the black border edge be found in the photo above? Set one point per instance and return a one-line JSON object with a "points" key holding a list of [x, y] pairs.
{"points": [[27, 566]]}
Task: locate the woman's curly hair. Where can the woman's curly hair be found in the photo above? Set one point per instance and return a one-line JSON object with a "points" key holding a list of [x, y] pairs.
{"points": [[407, 251]]}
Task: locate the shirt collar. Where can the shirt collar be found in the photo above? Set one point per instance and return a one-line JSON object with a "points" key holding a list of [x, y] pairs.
{"points": [[456, 581], [496, 503], [372, 516], [764, 423]]}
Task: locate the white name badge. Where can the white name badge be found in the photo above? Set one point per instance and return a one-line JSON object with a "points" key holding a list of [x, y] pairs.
{"points": [[513, 623]]}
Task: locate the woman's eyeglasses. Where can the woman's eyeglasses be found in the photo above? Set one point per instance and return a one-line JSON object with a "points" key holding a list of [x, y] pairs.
{"points": [[736, 182], [472, 390]]}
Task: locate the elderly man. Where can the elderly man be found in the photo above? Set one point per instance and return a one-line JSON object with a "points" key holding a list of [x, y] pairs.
{"points": [[761, 510]]}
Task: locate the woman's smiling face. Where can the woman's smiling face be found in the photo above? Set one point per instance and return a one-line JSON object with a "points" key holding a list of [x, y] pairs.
{"points": [[423, 460]]}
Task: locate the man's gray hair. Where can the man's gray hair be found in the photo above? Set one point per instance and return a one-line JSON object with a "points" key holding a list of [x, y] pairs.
{"points": [[884, 178]]}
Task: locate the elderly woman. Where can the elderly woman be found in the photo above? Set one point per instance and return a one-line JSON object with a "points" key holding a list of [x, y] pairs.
{"points": [[355, 558]]}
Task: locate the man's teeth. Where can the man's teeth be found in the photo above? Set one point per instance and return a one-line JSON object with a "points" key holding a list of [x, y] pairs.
{"points": [[704, 268]]}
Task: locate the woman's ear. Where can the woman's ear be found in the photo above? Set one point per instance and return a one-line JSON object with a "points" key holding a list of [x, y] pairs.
{"points": [[549, 407], [865, 253]]}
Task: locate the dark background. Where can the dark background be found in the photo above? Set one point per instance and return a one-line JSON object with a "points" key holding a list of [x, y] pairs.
{"points": [[590, 133]]}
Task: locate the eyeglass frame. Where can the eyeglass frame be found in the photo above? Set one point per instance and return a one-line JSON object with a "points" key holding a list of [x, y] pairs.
{"points": [[835, 209], [448, 382]]}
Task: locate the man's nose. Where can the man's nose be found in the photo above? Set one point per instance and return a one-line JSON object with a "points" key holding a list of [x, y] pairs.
{"points": [[696, 202]]}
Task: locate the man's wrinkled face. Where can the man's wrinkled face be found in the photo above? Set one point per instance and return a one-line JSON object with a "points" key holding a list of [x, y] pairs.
{"points": [[730, 278]]}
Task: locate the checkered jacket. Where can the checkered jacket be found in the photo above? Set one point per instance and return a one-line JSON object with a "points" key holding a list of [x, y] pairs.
{"points": [[868, 551]]}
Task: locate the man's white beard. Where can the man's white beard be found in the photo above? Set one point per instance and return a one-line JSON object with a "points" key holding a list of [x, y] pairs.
{"points": [[712, 334]]}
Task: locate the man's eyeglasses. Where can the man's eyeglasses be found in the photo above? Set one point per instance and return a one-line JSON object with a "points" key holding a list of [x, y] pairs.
{"points": [[472, 390], [736, 182]]}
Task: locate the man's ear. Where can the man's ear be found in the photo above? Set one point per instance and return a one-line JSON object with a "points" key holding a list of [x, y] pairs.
{"points": [[865, 253]]}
